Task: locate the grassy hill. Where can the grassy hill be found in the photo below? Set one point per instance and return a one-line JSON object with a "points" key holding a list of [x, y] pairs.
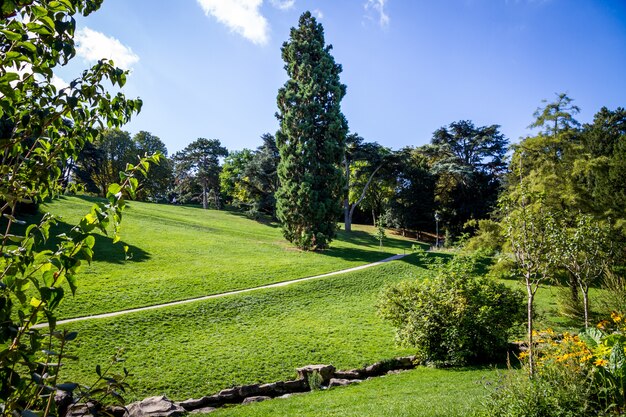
{"points": [[185, 252], [197, 349]]}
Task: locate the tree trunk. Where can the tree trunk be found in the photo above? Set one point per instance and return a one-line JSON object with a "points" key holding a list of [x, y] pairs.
{"points": [[205, 204], [347, 215], [347, 218], [585, 291], [531, 350], [373, 218], [353, 206]]}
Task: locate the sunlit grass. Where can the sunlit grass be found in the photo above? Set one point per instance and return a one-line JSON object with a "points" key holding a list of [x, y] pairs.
{"points": [[200, 348], [185, 252]]}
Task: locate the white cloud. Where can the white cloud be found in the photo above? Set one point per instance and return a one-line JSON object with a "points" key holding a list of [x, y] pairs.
{"points": [[241, 16], [59, 82], [283, 4], [318, 14], [378, 6], [93, 46]]}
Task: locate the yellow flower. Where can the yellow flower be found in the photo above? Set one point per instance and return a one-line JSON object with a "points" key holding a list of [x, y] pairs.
{"points": [[600, 362], [616, 317]]}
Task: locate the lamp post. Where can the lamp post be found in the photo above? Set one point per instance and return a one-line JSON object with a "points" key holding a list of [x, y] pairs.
{"points": [[437, 218]]}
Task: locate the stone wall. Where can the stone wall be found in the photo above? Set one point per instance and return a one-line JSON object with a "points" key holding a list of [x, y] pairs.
{"points": [[323, 375]]}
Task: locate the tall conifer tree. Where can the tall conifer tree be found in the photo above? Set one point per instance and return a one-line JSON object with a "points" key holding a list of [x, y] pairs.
{"points": [[311, 138]]}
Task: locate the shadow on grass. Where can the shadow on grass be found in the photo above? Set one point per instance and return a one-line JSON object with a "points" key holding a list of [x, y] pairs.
{"points": [[263, 219], [105, 249]]}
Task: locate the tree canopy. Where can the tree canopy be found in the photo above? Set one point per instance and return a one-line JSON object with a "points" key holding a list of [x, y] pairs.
{"points": [[311, 138]]}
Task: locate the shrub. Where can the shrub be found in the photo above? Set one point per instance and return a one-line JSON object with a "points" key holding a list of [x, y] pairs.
{"points": [[454, 317], [489, 236], [576, 375]]}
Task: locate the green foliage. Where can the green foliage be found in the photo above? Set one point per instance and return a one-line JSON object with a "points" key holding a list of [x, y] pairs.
{"points": [[158, 184], [311, 139], [556, 116], [413, 204], [380, 231], [584, 250], [489, 237], [469, 162], [102, 162], [557, 391], [455, 316], [527, 225], [42, 128], [197, 172], [582, 375]]}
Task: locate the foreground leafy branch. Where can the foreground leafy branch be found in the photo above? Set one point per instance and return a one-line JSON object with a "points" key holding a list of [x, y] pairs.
{"points": [[42, 129]]}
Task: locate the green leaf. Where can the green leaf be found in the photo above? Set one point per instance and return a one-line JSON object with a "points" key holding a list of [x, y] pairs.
{"points": [[114, 189], [70, 336], [48, 278], [90, 241], [617, 360], [12, 36]]}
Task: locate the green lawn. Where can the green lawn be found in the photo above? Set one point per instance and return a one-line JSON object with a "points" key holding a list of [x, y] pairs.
{"points": [[185, 252], [422, 392], [200, 348]]}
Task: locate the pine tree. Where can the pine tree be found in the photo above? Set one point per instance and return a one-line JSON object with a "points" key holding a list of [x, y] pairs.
{"points": [[311, 138]]}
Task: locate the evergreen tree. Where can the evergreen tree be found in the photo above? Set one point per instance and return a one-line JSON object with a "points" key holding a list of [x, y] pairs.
{"points": [[311, 138], [197, 169]]}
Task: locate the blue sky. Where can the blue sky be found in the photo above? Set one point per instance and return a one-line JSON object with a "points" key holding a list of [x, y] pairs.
{"points": [[212, 68]]}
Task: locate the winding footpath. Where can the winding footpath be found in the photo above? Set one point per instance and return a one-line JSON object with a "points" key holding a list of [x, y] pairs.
{"points": [[224, 294]]}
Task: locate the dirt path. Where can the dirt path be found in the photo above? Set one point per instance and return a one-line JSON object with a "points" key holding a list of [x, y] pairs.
{"points": [[224, 294]]}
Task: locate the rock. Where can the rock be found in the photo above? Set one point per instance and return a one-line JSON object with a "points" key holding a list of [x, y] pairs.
{"points": [[256, 399], [339, 382], [249, 390], [159, 406], [395, 371], [351, 374], [83, 410], [406, 361], [116, 411], [374, 369], [195, 404], [298, 385], [325, 371], [203, 410], [273, 389], [63, 399], [230, 395]]}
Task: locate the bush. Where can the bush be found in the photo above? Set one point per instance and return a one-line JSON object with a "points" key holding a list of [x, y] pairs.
{"points": [[556, 391], [576, 375], [454, 317], [489, 236]]}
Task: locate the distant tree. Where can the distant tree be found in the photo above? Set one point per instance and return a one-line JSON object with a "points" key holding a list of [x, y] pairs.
{"points": [[413, 205], [556, 116], [99, 166], [233, 180], [158, 184], [601, 168], [469, 162], [262, 175], [585, 250], [197, 167], [362, 162], [528, 225], [311, 138]]}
